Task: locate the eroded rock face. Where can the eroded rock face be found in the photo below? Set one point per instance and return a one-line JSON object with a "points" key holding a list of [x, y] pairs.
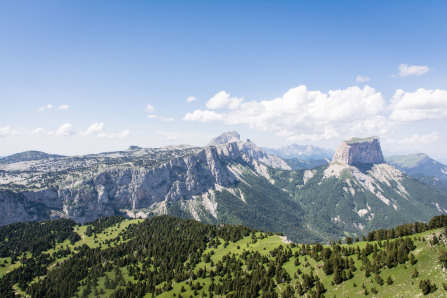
{"points": [[225, 138], [359, 151], [251, 149], [129, 187]]}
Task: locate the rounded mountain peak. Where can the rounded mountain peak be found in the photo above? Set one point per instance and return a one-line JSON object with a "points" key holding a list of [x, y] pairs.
{"points": [[225, 138]]}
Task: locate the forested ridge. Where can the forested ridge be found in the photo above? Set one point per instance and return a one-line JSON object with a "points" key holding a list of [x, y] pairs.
{"points": [[168, 256]]}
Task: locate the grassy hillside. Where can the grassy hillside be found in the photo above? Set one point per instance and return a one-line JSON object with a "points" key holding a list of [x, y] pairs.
{"points": [[166, 256]]}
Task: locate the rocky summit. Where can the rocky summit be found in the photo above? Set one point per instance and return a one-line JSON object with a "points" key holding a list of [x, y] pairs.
{"points": [[359, 151], [225, 138], [250, 149]]}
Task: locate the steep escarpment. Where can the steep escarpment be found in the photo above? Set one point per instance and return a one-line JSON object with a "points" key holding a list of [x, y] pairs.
{"points": [[250, 149], [359, 151], [130, 188]]}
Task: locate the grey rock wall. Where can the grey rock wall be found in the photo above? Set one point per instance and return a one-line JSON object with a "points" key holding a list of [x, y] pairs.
{"points": [[365, 151], [128, 188]]}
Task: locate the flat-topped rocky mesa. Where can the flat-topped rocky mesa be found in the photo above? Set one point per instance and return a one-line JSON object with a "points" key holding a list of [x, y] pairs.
{"points": [[359, 151]]}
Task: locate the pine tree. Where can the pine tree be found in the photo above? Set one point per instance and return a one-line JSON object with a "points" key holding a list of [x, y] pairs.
{"points": [[379, 279], [443, 258], [412, 259], [415, 273], [337, 276], [389, 280]]}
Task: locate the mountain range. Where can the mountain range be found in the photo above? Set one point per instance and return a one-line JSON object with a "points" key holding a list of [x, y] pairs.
{"points": [[422, 167], [305, 152], [227, 181], [302, 157]]}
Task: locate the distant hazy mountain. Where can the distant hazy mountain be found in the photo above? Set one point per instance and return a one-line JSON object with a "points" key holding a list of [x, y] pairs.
{"points": [[306, 164], [222, 183], [305, 152], [27, 156], [418, 165], [422, 167]]}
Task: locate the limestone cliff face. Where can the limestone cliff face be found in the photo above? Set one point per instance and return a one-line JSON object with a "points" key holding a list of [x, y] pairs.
{"points": [[359, 151], [250, 149], [129, 187]]}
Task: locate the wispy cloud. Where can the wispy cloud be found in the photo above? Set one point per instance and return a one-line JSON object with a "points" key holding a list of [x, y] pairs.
{"points": [[122, 134], [149, 108], [161, 118], [362, 79], [46, 107], [8, 131], [191, 99], [412, 70], [37, 130], [50, 106], [421, 139], [63, 107], [171, 138]]}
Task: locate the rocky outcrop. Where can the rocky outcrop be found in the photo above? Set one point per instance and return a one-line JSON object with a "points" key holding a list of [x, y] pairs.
{"points": [[359, 151], [225, 138], [251, 149]]}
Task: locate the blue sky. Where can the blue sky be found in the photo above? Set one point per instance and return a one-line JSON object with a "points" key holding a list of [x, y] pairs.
{"points": [[76, 77]]}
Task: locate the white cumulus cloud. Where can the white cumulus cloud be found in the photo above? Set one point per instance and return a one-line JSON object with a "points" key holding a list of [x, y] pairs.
{"points": [[419, 105], [203, 116], [191, 99], [64, 130], [8, 131], [94, 128], [412, 70], [305, 114], [223, 100]]}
